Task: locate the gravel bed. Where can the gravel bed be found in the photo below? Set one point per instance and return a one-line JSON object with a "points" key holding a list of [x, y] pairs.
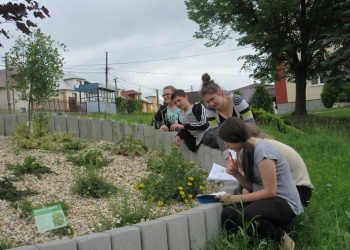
{"points": [[84, 213]]}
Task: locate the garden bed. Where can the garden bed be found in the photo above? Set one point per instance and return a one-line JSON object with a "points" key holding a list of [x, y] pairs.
{"points": [[85, 214]]}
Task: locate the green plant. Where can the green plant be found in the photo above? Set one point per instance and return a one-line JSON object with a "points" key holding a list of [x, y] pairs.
{"points": [[58, 218], [29, 166], [129, 146], [10, 193], [89, 183], [262, 99], [126, 212], [5, 244], [64, 231], [173, 179], [93, 158], [25, 207], [74, 145]]}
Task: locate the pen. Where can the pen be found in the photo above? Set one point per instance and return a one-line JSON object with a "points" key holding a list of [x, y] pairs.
{"points": [[233, 161]]}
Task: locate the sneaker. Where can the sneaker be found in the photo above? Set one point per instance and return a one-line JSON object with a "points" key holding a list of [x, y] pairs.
{"points": [[286, 242]]}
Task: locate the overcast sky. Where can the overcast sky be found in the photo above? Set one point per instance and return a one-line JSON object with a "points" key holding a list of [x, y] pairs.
{"points": [[150, 44]]}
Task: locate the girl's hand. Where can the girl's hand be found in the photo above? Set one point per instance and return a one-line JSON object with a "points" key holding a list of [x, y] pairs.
{"points": [[164, 128], [227, 199], [176, 126], [231, 168], [177, 141]]}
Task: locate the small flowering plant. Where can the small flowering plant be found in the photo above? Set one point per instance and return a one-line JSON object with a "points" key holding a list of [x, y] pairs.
{"points": [[172, 178]]}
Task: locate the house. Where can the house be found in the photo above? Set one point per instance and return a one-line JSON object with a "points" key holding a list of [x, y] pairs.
{"points": [[286, 94], [147, 106], [94, 98], [9, 97], [67, 99], [154, 101]]}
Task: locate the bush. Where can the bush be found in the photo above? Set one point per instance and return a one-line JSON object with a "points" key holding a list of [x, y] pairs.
{"points": [[173, 179], [129, 146], [29, 166], [126, 212], [90, 184], [10, 193], [336, 91], [262, 99], [93, 158]]}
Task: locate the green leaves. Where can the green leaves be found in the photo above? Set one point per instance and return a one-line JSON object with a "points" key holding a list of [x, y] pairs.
{"points": [[38, 65]]}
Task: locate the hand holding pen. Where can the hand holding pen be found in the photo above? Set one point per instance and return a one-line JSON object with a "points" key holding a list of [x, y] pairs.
{"points": [[231, 166]]}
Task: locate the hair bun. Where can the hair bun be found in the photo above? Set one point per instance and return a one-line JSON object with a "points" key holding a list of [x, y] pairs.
{"points": [[205, 78]]}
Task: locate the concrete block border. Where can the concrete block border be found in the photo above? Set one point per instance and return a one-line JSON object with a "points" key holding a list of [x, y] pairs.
{"points": [[186, 230]]}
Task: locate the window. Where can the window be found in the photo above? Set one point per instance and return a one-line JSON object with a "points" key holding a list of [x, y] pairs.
{"points": [[22, 110], [317, 81]]}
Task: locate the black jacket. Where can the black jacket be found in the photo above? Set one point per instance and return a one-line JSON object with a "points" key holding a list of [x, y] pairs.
{"points": [[161, 118]]}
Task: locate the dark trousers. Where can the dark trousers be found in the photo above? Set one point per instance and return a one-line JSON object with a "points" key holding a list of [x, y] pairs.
{"points": [[269, 217]]}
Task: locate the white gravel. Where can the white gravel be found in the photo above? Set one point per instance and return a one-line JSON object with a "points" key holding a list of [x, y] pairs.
{"points": [[84, 213]]}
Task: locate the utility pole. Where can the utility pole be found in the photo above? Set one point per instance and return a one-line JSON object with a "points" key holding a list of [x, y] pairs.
{"points": [[106, 70], [115, 83], [157, 99], [7, 87], [191, 88]]}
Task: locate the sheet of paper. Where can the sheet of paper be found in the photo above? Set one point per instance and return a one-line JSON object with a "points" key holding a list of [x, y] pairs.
{"points": [[218, 173]]}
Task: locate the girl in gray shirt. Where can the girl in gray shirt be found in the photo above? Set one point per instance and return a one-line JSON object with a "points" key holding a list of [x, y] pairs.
{"points": [[273, 200]]}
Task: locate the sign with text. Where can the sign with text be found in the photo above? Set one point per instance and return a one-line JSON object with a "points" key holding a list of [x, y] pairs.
{"points": [[48, 218]]}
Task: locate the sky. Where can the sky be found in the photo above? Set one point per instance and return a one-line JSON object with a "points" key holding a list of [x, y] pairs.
{"points": [[147, 45]]}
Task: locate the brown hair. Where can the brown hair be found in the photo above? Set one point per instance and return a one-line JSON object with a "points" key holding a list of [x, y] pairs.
{"points": [[208, 85], [170, 87], [178, 92], [234, 130]]}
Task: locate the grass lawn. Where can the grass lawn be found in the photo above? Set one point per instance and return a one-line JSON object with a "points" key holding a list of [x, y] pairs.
{"points": [[324, 144]]}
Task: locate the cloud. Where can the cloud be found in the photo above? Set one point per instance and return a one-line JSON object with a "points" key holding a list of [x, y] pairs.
{"points": [[150, 45]]}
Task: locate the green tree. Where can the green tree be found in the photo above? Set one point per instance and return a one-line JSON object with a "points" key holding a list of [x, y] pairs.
{"points": [[18, 13], [262, 98], [38, 65], [288, 33], [133, 105]]}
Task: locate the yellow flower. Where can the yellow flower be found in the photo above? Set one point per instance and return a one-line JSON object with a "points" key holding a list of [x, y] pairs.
{"points": [[186, 201], [180, 188], [183, 195], [189, 183], [142, 185], [190, 196], [176, 146], [136, 185], [157, 181], [190, 178], [182, 192], [201, 187], [191, 162], [160, 203]]}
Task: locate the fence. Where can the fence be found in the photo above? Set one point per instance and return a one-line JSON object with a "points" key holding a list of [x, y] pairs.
{"points": [[190, 229]]}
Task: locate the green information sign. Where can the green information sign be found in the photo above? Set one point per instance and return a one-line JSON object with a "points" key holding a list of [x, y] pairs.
{"points": [[48, 218]]}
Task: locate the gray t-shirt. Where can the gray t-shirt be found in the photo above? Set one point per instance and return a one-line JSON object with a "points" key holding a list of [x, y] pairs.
{"points": [[286, 188]]}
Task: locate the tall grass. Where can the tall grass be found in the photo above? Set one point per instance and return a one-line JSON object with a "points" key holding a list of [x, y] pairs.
{"points": [[325, 148], [324, 144]]}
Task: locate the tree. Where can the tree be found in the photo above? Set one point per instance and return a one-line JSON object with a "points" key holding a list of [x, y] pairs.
{"points": [[287, 32], [18, 13], [262, 98], [38, 65], [237, 92]]}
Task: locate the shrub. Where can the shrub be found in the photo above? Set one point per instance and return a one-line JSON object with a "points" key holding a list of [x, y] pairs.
{"points": [[90, 184], [174, 179], [127, 212], [93, 158], [29, 166], [262, 99], [9, 192], [74, 145], [129, 146], [336, 91]]}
